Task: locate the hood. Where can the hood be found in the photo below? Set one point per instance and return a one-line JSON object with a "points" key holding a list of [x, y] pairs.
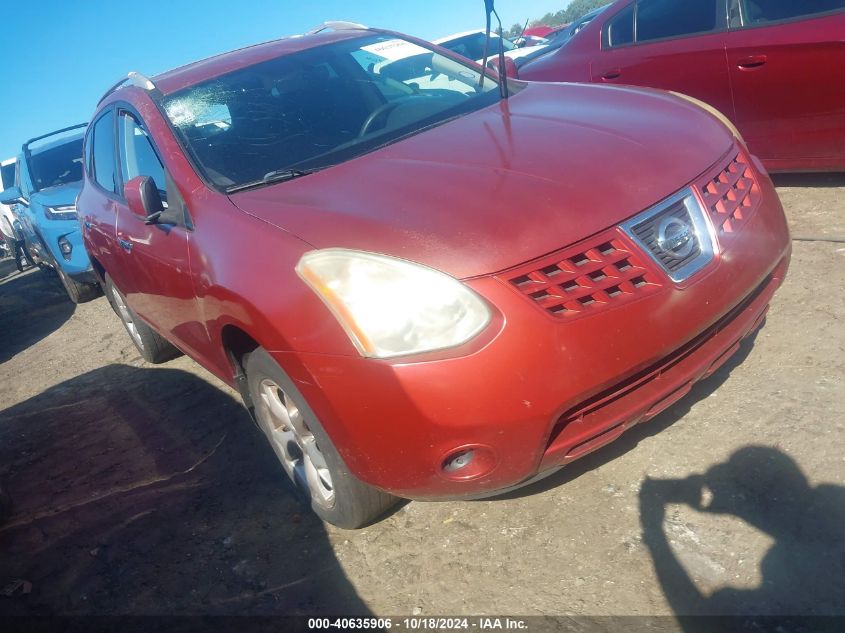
{"points": [[554, 164], [58, 195]]}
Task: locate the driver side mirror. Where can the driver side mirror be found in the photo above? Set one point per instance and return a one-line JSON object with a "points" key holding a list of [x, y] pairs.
{"points": [[143, 198], [11, 195]]}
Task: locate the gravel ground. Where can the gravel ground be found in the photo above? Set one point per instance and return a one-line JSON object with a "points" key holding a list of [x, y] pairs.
{"points": [[141, 489]]}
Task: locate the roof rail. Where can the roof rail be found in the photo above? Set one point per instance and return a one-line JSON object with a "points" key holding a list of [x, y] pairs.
{"points": [[337, 25], [134, 79]]}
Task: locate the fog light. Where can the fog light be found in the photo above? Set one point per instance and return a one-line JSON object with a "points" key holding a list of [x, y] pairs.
{"points": [[469, 461], [458, 461], [66, 248]]}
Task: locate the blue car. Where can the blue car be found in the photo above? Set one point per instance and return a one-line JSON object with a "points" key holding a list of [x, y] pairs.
{"points": [[48, 179]]}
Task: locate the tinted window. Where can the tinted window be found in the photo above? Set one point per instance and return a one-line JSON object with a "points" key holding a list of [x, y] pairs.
{"points": [[319, 107], [103, 153], [137, 156], [620, 29], [657, 19], [56, 165], [757, 11]]}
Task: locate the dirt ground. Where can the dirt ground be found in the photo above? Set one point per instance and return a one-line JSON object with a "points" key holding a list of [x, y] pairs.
{"points": [[147, 490]]}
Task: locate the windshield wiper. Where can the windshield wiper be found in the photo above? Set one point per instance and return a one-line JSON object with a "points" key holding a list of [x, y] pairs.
{"points": [[279, 175]]}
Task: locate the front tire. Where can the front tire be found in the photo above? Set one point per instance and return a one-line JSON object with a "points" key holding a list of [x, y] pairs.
{"points": [[153, 347], [78, 292], [305, 450]]}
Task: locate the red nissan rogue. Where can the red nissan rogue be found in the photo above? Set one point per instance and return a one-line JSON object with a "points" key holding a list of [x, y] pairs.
{"points": [[336, 225]]}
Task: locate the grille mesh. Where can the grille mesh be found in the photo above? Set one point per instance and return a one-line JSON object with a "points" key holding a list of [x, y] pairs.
{"points": [[602, 273], [731, 195]]}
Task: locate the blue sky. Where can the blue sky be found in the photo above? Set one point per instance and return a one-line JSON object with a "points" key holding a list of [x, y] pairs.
{"points": [[64, 55]]}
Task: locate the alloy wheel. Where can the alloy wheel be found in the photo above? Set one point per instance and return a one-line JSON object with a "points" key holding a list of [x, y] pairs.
{"points": [[126, 316], [294, 443]]}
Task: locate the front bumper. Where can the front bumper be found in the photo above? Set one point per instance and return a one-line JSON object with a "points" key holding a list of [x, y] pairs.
{"points": [[539, 392], [78, 267], [86, 277]]}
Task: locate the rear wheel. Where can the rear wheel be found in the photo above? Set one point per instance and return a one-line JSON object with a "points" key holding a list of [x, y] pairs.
{"points": [[305, 451], [151, 345], [77, 291]]}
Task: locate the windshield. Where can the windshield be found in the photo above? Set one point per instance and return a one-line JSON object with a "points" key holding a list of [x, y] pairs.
{"points": [[472, 46], [319, 107], [57, 165]]}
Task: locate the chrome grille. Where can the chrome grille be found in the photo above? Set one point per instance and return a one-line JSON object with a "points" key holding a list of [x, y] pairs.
{"points": [[675, 234]]}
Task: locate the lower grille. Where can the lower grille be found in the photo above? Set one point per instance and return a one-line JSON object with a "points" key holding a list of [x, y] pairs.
{"points": [[643, 395]]}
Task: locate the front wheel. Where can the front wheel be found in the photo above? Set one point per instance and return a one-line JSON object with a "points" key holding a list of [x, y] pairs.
{"points": [[79, 292], [305, 451]]}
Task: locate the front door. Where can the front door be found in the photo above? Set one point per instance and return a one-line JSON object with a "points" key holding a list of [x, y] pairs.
{"points": [[162, 292]]}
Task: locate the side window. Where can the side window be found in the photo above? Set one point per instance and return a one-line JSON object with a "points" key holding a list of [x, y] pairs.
{"points": [[658, 19], [103, 162], [762, 11], [137, 156], [620, 28]]}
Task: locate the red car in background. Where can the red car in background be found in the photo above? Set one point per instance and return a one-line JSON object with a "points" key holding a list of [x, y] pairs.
{"points": [[541, 30], [776, 68], [345, 239]]}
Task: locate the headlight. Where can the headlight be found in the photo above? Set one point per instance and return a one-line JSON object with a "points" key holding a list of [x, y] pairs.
{"points": [[391, 307], [60, 212], [714, 111]]}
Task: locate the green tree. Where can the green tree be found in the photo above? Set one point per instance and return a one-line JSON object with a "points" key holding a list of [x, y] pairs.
{"points": [[578, 8], [575, 10], [514, 31]]}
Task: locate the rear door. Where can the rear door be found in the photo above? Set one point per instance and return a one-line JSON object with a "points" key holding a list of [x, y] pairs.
{"points": [[668, 44], [163, 290], [787, 64]]}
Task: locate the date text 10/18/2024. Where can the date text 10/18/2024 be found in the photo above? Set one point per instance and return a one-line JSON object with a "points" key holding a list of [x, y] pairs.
{"points": [[420, 623]]}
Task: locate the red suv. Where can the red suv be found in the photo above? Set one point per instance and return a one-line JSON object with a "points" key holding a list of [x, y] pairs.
{"points": [[335, 224], [776, 68]]}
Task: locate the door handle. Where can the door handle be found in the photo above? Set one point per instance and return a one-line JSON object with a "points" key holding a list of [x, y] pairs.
{"points": [[125, 244], [751, 62], [612, 74]]}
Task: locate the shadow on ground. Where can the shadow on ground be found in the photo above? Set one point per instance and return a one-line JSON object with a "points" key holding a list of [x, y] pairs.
{"points": [[33, 305], [148, 490], [803, 573]]}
